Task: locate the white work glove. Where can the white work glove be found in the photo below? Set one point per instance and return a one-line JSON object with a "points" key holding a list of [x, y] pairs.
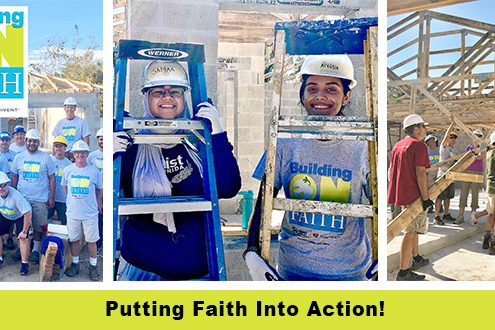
{"points": [[121, 141], [259, 269], [208, 111]]}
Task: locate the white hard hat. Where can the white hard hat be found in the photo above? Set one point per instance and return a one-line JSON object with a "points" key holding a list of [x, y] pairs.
{"points": [[80, 145], [70, 101], [478, 132], [430, 136], [492, 138], [338, 66], [33, 134], [161, 73], [413, 120], [3, 178], [100, 132]]}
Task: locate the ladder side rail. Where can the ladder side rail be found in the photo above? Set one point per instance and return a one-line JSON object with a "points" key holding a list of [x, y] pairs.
{"points": [[119, 100], [216, 259], [278, 72]]}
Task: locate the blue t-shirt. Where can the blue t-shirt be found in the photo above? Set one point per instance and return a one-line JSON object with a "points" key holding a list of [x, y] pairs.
{"points": [[14, 205], [60, 164], [73, 130], [17, 149], [315, 246], [434, 155], [81, 183], [33, 171], [95, 158]]}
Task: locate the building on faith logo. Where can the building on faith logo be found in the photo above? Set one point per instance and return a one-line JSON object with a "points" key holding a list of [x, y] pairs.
{"points": [[13, 62]]}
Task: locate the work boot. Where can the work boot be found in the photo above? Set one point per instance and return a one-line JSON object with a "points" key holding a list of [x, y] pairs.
{"points": [[24, 269], [459, 220], [447, 217], [438, 221], [17, 255], [408, 275], [418, 262], [34, 257], [1, 263], [491, 251], [93, 273], [486, 242], [73, 270]]}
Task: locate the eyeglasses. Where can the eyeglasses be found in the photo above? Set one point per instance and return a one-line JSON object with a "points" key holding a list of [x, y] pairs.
{"points": [[159, 93], [3, 185]]}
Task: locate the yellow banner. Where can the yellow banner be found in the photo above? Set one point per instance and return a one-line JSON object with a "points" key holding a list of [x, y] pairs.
{"points": [[247, 309]]}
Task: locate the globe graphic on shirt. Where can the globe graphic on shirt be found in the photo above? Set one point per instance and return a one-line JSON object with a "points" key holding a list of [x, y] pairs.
{"points": [[302, 186]]}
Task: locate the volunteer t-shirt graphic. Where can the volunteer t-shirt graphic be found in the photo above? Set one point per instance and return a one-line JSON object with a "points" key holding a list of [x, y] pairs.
{"points": [[31, 170], [79, 186], [8, 212], [98, 163], [330, 185], [58, 174], [69, 132]]}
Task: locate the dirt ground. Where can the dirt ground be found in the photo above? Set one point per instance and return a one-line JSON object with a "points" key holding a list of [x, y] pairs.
{"points": [[9, 272]]}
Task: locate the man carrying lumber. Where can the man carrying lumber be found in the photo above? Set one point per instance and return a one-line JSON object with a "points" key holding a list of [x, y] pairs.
{"points": [[408, 181]]}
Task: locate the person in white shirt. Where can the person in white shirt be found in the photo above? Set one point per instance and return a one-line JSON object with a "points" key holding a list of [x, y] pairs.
{"points": [[72, 127], [19, 135]]}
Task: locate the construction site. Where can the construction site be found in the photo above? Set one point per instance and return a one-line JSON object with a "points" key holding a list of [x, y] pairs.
{"points": [[247, 76], [441, 66]]}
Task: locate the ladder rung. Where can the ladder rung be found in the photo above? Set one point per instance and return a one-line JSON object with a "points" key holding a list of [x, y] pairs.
{"points": [[146, 123], [158, 138], [148, 205], [299, 205], [327, 135], [330, 123]]}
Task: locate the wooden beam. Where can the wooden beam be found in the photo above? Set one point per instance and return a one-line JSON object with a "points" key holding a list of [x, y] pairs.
{"points": [[465, 177], [461, 21], [395, 7], [412, 211]]}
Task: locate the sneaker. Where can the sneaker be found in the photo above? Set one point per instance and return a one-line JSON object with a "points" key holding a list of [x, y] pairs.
{"points": [[73, 270], [486, 242], [418, 264], [474, 219], [17, 255], [438, 221], [93, 273], [410, 276], [34, 257], [24, 269], [1, 263], [448, 217], [460, 219]]}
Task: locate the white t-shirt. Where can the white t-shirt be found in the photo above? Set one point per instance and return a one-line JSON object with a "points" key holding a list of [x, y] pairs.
{"points": [[60, 164], [17, 149], [14, 205], [95, 158], [33, 171], [73, 130], [81, 183]]}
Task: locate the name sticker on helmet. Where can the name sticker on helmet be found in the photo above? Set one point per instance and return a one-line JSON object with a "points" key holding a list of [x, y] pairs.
{"points": [[329, 66], [162, 53]]}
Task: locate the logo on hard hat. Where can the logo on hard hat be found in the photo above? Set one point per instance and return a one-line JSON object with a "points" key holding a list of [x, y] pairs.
{"points": [[162, 53], [163, 69], [329, 66]]}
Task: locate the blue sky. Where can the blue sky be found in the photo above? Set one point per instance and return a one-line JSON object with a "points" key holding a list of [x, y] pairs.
{"points": [[481, 10], [49, 19]]}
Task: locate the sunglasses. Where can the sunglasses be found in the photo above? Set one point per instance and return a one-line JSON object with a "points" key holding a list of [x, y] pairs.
{"points": [[453, 137], [3, 185]]}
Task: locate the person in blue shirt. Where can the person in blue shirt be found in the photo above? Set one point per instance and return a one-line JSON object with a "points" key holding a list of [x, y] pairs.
{"points": [[318, 247], [170, 246]]}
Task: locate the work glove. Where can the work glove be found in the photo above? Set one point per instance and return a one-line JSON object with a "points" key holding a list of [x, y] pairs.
{"points": [[259, 269], [428, 203], [121, 141], [208, 111]]}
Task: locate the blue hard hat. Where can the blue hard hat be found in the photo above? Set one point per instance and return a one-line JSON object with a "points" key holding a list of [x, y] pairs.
{"points": [[4, 135], [19, 129]]}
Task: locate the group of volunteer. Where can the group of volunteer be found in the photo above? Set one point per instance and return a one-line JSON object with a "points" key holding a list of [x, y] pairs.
{"points": [[34, 185]]}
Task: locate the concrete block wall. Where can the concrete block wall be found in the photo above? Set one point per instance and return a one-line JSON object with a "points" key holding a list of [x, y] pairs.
{"points": [[250, 108], [172, 21]]}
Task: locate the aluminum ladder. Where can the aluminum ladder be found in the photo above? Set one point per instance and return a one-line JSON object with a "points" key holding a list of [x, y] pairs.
{"points": [[197, 130]]}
